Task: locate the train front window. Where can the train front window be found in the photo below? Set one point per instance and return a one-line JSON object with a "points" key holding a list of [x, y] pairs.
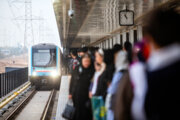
{"points": [[44, 58]]}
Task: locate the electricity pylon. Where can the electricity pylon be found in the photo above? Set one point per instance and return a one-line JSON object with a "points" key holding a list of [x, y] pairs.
{"points": [[28, 19]]}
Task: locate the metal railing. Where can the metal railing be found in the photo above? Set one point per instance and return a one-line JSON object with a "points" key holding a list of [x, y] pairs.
{"points": [[11, 80]]}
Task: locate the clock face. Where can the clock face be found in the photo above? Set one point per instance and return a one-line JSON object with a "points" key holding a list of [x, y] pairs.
{"points": [[126, 18]]}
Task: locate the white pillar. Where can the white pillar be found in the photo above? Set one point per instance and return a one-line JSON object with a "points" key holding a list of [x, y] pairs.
{"points": [[107, 44], [110, 42], [114, 40], [104, 42], [103, 45], [124, 38], [139, 33], [131, 36], [118, 39]]}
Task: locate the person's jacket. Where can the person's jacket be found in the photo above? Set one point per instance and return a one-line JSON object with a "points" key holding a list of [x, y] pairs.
{"points": [[163, 78], [123, 99], [104, 79], [80, 79], [102, 85], [162, 99], [74, 78]]}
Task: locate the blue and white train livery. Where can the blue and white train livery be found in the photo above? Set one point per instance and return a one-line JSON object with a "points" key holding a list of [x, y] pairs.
{"points": [[44, 65]]}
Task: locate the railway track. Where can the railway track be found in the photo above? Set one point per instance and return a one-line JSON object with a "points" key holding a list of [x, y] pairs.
{"points": [[36, 106], [48, 109], [20, 106]]}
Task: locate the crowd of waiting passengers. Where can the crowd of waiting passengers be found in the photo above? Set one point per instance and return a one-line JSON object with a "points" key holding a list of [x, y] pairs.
{"points": [[138, 82]]}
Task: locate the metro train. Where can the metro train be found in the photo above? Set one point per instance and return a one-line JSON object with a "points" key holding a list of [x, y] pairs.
{"points": [[44, 65]]}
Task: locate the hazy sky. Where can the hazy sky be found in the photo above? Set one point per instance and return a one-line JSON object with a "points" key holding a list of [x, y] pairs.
{"points": [[12, 31]]}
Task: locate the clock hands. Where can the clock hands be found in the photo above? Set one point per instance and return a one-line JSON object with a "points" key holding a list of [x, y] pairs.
{"points": [[125, 16]]}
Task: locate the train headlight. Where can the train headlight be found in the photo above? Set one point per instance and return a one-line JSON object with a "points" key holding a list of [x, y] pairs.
{"points": [[54, 74], [34, 74]]}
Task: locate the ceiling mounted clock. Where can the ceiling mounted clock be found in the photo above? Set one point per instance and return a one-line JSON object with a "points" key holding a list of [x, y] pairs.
{"points": [[126, 18]]}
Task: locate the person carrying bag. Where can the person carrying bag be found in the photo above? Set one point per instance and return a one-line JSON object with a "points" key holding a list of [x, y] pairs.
{"points": [[69, 111]]}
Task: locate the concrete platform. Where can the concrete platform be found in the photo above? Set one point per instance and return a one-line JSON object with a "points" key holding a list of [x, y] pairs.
{"points": [[63, 96]]}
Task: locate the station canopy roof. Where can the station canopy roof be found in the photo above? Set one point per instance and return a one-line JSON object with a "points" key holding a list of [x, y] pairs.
{"points": [[95, 19]]}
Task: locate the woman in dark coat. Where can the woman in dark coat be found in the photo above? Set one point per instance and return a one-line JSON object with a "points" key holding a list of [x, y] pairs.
{"points": [[79, 89], [102, 79], [105, 59]]}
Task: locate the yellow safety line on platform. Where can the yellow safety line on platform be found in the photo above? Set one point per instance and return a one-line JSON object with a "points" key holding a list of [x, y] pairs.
{"points": [[5, 102]]}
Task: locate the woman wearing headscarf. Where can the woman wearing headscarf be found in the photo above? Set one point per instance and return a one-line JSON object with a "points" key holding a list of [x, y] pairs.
{"points": [[94, 83], [124, 94], [102, 81], [81, 79], [121, 65]]}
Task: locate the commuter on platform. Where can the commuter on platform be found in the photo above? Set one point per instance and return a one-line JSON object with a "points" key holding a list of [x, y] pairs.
{"points": [[138, 78], [91, 51], [109, 61], [161, 30], [79, 88], [101, 89], [75, 61], [81, 52], [124, 94], [69, 63], [120, 66], [98, 71], [128, 49]]}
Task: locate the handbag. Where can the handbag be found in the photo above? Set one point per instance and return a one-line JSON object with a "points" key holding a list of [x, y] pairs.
{"points": [[98, 106], [69, 111]]}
